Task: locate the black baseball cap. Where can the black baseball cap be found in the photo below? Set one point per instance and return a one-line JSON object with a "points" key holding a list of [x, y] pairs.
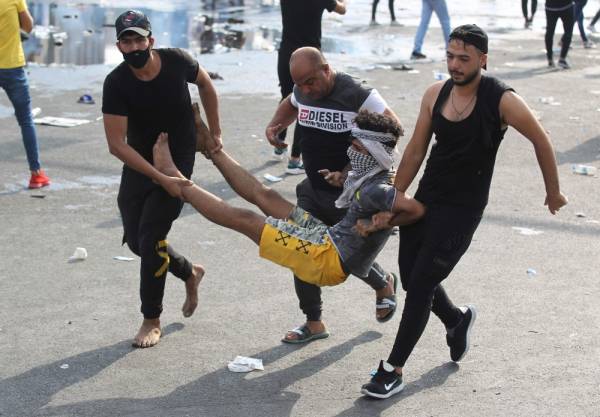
{"points": [[134, 21], [473, 35]]}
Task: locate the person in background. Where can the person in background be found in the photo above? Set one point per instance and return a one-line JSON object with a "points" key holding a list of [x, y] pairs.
{"points": [[565, 11], [528, 17], [579, 5], [301, 26], [15, 17], [428, 7], [393, 21]]}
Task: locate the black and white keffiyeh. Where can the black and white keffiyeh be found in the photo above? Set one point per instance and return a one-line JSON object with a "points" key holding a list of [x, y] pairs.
{"points": [[380, 158]]}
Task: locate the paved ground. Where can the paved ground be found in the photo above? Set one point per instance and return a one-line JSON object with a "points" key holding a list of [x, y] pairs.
{"points": [[65, 330]]}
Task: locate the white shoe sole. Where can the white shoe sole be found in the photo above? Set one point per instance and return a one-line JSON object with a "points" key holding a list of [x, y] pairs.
{"points": [[383, 396], [473, 317]]}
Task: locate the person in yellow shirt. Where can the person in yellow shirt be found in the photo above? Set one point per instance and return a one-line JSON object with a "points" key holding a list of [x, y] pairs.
{"points": [[13, 17]]}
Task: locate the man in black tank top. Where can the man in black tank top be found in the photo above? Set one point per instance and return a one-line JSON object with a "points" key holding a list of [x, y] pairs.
{"points": [[469, 115], [143, 96]]}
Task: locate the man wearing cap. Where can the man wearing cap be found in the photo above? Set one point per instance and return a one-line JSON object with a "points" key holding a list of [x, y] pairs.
{"points": [[145, 95], [469, 114]]}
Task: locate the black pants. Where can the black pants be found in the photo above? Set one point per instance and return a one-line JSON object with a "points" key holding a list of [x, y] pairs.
{"points": [[321, 204], [429, 250], [390, 5], [596, 18], [568, 20], [286, 85], [148, 212], [524, 8]]}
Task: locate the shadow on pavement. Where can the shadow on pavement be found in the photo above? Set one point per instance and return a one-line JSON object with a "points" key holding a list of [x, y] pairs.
{"points": [[28, 393], [220, 393]]}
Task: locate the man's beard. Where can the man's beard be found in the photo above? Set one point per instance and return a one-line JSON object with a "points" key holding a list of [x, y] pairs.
{"points": [[468, 79]]}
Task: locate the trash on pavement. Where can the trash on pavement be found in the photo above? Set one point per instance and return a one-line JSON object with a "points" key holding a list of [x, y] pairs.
{"points": [[123, 258], [80, 254], [531, 272], [64, 366], [35, 111], [272, 178], [60, 121], [580, 214], [86, 99], [245, 364], [527, 232], [583, 169]]}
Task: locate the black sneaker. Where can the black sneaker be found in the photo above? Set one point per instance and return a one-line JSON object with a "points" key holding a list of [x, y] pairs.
{"points": [[564, 64], [458, 337], [385, 383], [417, 55]]}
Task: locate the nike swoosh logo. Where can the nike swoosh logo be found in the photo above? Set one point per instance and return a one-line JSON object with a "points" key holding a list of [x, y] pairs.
{"points": [[388, 386]]}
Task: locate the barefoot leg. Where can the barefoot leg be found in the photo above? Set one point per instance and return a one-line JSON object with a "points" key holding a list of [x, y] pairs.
{"points": [[191, 290], [148, 335]]}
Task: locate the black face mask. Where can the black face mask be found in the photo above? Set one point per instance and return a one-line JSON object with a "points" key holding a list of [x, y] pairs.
{"points": [[137, 59]]}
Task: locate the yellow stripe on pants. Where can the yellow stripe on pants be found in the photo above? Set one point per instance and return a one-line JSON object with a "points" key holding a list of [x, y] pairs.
{"points": [[161, 250]]}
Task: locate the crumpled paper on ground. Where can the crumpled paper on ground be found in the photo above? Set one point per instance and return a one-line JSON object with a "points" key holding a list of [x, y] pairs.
{"points": [[245, 364]]}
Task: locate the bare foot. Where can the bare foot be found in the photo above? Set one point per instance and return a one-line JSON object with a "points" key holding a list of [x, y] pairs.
{"points": [[315, 327], [148, 335], [162, 156], [191, 290], [385, 292]]}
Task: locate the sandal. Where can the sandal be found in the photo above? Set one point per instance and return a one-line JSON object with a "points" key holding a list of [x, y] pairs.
{"points": [[305, 335], [387, 302]]}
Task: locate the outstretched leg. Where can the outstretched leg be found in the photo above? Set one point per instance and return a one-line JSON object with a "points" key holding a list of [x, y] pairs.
{"points": [[209, 205]]}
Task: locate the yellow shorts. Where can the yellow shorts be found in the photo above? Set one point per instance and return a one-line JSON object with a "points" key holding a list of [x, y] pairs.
{"points": [[302, 245]]}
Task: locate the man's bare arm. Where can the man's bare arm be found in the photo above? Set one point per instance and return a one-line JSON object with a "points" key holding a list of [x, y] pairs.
{"points": [[210, 102], [516, 113], [340, 7], [26, 21], [284, 116]]}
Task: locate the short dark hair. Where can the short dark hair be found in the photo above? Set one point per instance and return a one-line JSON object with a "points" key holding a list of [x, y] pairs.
{"points": [[378, 122]]}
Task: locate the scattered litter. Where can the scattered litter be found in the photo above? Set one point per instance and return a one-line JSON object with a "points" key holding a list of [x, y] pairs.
{"points": [[35, 111], [80, 254], [413, 71], [509, 64], [574, 118], [64, 366], [531, 272], [402, 67], [69, 322], [440, 75], [214, 76], [533, 331], [38, 195], [253, 136], [245, 364], [580, 215], [272, 178], [86, 99], [527, 232], [60, 121], [583, 169], [206, 242], [549, 100], [123, 258]]}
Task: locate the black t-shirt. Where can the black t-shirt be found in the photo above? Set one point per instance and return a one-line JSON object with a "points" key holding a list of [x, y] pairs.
{"points": [[301, 21], [461, 163], [162, 104], [325, 125]]}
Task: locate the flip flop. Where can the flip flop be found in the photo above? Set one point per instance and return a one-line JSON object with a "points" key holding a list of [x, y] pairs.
{"points": [[388, 302], [305, 335]]}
